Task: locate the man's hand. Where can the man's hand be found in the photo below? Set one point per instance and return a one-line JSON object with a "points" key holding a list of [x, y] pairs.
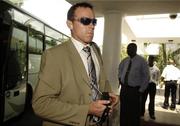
{"points": [[161, 84], [97, 107], [114, 100]]}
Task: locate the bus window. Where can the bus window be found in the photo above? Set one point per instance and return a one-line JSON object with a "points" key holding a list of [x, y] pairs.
{"points": [[16, 74], [35, 52], [28, 21], [35, 42], [50, 42], [53, 37], [16, 66], [52, 33]]}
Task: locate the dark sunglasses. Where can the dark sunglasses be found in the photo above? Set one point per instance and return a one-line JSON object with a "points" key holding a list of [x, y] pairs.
{"points": [[87, 21]]}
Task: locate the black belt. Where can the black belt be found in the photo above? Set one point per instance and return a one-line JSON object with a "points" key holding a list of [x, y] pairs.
{"points": [[128, 86], [171, 81]]}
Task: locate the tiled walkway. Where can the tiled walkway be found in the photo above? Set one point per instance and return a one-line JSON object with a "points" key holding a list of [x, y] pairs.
{"points": [[163, 116]]}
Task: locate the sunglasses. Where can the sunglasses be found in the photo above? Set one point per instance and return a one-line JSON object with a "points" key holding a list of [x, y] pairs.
{"points": [[87, 21]]}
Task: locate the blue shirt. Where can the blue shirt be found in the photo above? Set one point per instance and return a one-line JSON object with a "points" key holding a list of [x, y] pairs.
{"points": [[139, 72]]}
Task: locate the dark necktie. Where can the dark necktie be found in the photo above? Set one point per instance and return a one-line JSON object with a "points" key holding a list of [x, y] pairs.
{"points": [[127, 73], [92, 73]]}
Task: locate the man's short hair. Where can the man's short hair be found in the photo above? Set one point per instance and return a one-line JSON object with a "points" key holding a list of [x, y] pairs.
{"points": [[70, 14], [132, 46]]}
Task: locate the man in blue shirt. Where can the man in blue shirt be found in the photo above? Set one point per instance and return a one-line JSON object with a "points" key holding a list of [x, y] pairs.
{"points": [[134, 78]]}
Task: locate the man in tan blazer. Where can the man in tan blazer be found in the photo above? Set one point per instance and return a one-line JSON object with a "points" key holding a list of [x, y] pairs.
{"points": [[63, 95]]}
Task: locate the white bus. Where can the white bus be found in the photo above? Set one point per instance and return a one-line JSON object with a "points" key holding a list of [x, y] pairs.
{"points": [[23, 38]]}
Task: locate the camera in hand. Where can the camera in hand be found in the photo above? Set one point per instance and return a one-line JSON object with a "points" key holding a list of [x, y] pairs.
{"points": [[105, 96]]}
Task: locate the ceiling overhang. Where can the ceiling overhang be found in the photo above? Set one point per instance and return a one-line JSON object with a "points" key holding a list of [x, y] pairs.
{"points": [[134, 8]]}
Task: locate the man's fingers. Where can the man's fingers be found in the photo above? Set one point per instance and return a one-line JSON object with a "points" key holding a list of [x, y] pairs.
{"points": [[103, 102]]}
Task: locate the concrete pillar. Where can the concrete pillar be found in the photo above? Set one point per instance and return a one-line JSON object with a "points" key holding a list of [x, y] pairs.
{"points": [[111, 46]]}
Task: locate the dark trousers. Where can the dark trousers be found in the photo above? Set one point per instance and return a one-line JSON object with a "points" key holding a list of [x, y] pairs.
{"points": [[170, 88], [129, 106], [151, 90]]}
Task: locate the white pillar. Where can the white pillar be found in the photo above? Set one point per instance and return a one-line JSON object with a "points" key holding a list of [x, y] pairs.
{"points": [[111, 46]]}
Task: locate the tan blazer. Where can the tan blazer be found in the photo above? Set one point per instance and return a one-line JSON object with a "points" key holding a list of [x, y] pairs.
{"points": [[63, 94]]}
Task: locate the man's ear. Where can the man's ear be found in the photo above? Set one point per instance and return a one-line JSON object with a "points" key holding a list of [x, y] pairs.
{"points": [[69, 24]]}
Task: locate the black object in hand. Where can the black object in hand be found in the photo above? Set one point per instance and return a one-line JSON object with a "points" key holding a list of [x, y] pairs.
{"points": [[105, 96]]}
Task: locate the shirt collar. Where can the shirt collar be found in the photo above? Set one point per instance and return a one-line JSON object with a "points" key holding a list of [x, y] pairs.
{"points": [[132, 57], [79, 46]]}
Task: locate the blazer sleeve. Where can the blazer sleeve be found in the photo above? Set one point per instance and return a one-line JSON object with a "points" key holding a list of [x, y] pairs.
{"points": [[47, 102]]}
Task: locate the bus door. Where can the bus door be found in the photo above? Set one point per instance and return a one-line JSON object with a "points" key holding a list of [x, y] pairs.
{"points": [[15, 73], [34, 51], [4, 34]]}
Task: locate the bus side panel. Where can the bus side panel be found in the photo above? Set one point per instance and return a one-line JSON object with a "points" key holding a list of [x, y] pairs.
{"points": [[14, 101]]}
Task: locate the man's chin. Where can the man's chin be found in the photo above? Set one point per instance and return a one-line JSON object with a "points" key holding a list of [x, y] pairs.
{"points": [[89, 41]]}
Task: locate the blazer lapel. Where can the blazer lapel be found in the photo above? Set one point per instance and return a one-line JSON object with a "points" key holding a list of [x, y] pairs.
{"points": [[97, 55], [77, 62]]}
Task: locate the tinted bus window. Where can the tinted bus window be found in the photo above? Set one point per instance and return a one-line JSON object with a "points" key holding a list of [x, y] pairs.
{"points": [[35, 42], [52, 33], [53, 37], [28, 21], [16, 66], [50, 42], [15, 74], [35, 52]]}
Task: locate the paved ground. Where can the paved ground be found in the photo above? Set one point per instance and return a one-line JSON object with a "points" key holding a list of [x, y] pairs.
{"points": [[28, 118], [164, 117]]}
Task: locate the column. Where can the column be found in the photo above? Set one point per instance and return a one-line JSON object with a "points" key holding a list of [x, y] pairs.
{"points": [[111, 46]]}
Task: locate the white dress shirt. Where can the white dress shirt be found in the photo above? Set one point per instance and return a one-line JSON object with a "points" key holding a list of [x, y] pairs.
{"points": [[171, 72], [154, 74], [79, 46]]}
